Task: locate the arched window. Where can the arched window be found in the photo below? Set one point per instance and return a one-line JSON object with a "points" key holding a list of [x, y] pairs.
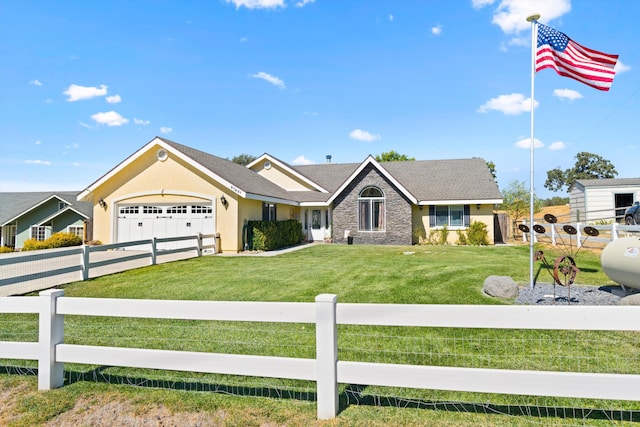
{"points": [[371, 210]]}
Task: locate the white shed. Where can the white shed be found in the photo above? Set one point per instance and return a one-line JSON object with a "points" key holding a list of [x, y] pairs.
{"points": [[602, 199]]}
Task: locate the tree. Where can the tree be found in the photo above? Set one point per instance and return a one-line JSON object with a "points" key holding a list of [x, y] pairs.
{"points": [[492, 168], [243, 159], [392, 156], [516, 201], [588, 166]]}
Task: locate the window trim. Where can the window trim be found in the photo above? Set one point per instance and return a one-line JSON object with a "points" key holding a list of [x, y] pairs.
{"points": [[433, 217], [371, 202]]}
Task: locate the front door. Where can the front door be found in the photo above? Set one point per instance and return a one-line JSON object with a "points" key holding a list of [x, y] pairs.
{"points": [[318, 226]]}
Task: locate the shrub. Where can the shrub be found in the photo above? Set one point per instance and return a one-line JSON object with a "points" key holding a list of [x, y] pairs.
{"points": [[476, 235], [34, 245], [58, 240], [61, 240], [438, 237], [419, 234], [5, 249], [270, 235]]}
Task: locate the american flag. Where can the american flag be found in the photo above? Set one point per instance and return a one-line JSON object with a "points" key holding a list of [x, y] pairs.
{"points": [[570, 59]]}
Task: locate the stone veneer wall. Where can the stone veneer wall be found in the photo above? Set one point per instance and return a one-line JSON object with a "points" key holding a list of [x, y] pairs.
{"points": [[397, 212]]}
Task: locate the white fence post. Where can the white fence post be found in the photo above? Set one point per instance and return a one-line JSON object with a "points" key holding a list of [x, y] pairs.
{"points": [[614, 231], [154, 250], [326, 356], [578, 236], [553, 234], [199, 240], [85, 261], [51, 333]]}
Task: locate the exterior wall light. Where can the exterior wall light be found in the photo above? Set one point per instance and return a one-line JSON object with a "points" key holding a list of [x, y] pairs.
{"points": [[223, 200], [102, 203]]}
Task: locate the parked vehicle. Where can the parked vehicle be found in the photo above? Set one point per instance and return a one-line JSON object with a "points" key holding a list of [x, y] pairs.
{"points": [[632, 215]]}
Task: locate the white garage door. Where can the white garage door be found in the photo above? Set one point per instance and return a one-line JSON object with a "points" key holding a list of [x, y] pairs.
{"points": [[137, 222]]}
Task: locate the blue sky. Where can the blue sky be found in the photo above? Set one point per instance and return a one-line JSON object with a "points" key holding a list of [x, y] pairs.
{"points": [[84, 84]]}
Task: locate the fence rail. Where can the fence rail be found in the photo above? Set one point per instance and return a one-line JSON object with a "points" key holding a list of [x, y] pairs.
{"points": [[326, 370], [52, 267], [607, 233]]}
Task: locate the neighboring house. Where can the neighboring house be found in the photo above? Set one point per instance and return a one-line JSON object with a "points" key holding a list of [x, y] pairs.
{"points": [[38, 215], [602, 199], [167, 189]]}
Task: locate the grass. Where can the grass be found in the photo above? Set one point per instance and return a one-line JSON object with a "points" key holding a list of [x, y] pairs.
{"points": [[357, 274]]}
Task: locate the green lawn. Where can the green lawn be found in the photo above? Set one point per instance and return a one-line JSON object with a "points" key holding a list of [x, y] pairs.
{"points": [[357, 274]]}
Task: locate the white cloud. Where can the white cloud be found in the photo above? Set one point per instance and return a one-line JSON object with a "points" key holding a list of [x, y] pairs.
{"points": [[558, 145], [84, 125], [303, 3], [567, 93], [74, 57], [511, 104], [38, 142], [72, 146], [36, 82], [77, 93], [244, 39], [310, 113], [361, 135], [391, 18], [38, 162], [141, 122], [301, 160], [165, 130], [269, 78], [258, 4], [510, 15], [48, 101], [113, 99], [620, 67], [437, 30], [526, 143], [75, 164], [477, 4], [109, 118]]}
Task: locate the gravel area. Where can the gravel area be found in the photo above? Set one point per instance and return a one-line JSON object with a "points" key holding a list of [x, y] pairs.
{"points": [[542, 294]]}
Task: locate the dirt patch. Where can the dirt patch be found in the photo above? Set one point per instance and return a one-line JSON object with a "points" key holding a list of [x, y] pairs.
{"points": [[8, 402], [125, 414]]}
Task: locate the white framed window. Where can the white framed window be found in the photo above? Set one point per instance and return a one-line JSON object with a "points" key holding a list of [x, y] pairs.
{"points": [[177, 209], [77, 230], [269, 212], [151, 210], [39, 232], [62, 205], [450, 216], [201, 209], [371, 210], [129, 210]]}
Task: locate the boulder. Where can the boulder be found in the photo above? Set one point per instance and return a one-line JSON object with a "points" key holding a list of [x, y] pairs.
{"points": [[500, 287], [633, 299]]}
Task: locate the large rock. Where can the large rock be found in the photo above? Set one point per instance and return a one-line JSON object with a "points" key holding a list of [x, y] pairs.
{"points": [[633, 299], [500, 287]]}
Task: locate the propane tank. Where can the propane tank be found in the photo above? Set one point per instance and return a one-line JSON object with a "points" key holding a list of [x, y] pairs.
{"points": [[620, 261]]}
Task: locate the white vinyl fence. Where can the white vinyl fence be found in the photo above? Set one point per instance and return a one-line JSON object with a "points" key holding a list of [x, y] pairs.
{"points": [[24, 272], [326, 370], [555, 234]]}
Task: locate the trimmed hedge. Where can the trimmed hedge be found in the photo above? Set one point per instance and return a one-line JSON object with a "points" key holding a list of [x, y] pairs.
{"points": [[58, 240], [271, 235], [5, 249]]}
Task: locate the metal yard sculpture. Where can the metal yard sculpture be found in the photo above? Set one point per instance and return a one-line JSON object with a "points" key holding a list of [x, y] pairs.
{"points": [[564, 267]]}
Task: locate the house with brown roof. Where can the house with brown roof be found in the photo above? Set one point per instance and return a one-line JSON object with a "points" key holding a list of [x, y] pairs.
{"points": [[168, 189]]}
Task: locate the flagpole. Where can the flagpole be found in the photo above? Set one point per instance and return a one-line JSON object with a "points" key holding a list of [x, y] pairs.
{"points": [[533, 19]]}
